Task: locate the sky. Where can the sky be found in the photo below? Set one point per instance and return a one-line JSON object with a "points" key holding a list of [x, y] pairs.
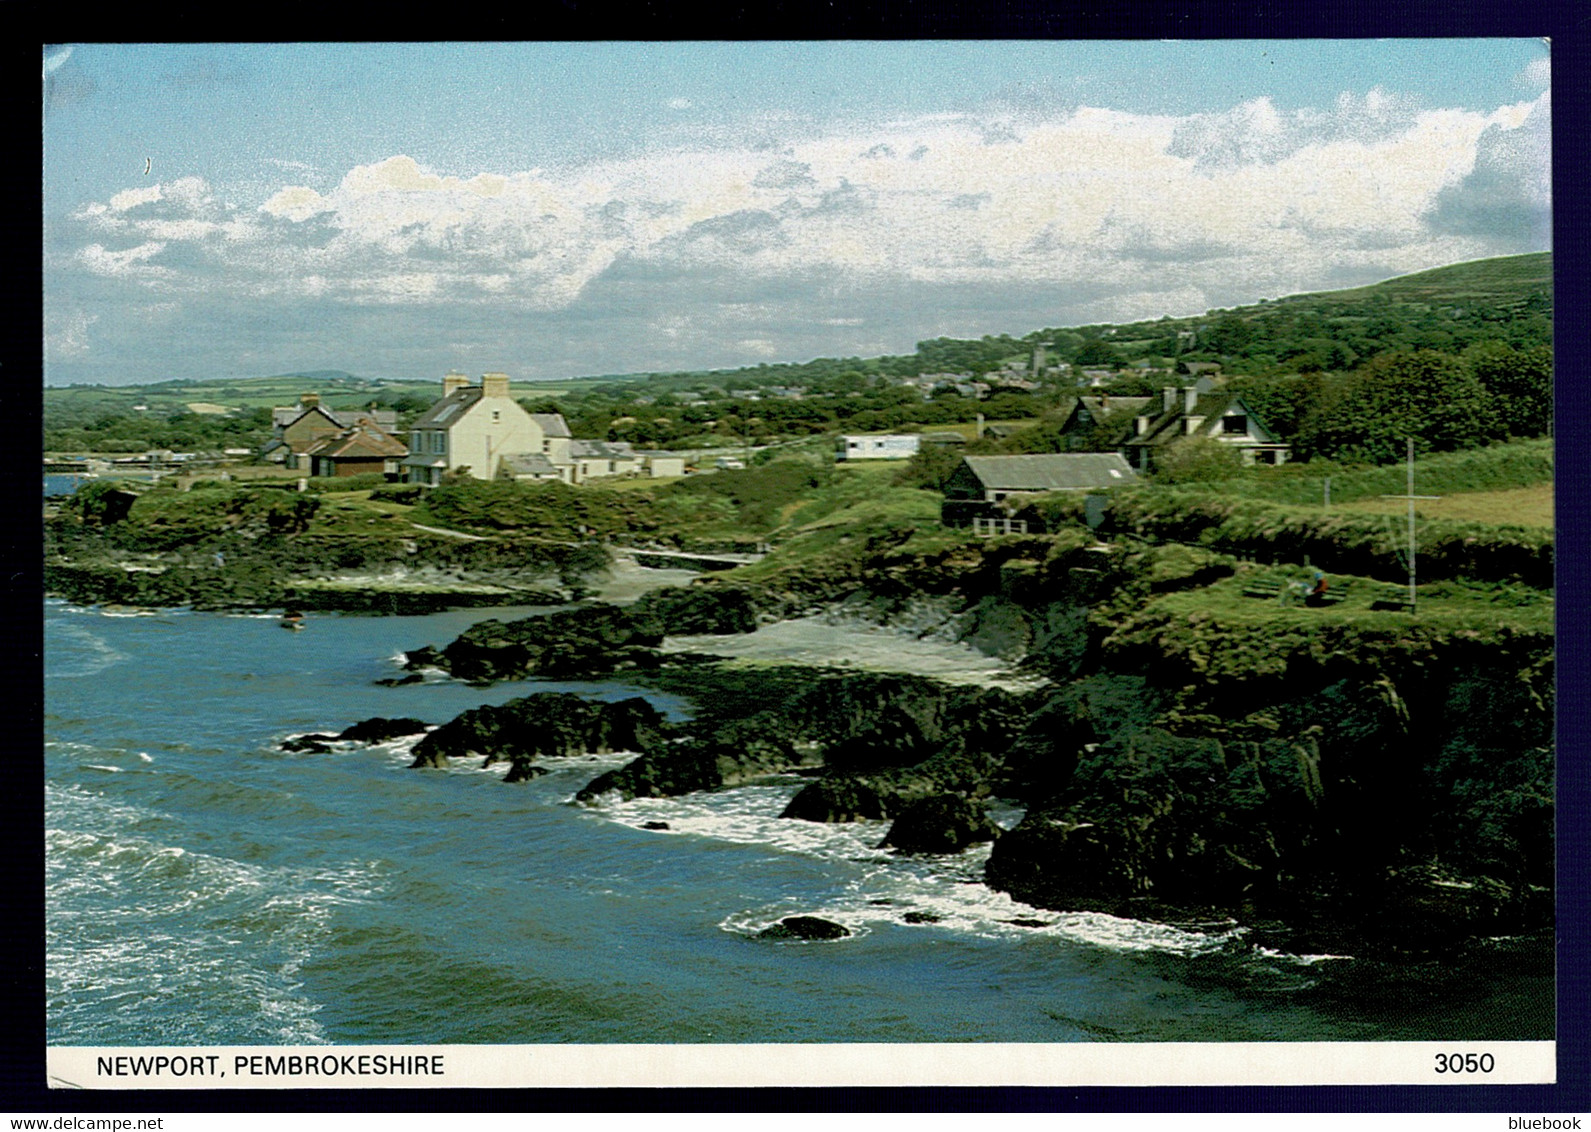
{"points": [[555, 210]]}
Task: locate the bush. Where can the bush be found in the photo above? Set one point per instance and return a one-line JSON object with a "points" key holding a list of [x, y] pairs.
{"points": [[405, 493], [365, 481], [550, 510], [1197, 459], [758, 494], [1367, 546]]}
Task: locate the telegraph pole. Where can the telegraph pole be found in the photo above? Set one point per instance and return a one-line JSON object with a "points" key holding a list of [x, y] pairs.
{"points": [[1411, 497]]}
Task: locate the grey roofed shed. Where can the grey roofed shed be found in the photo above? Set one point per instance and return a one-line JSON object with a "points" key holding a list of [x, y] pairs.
{"points": [[1080, 471], [532, 464]]}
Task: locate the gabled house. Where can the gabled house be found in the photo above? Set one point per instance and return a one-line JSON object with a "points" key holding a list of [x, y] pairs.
{"points": [[364, 447], [474, 427], [1203, 411], [300, 427], [985, 487], [992, 478], [482, 432], [1101, 424]]}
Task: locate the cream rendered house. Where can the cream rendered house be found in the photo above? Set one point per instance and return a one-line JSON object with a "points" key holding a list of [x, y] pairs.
{"points": [[474, 428]]}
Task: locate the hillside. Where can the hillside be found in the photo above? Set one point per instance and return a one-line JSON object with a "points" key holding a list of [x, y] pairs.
{"points": [[1278, 351], [1500, 282]]}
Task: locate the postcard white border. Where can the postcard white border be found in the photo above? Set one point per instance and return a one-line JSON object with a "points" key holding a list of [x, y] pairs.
{"points": [[802, 1065]]}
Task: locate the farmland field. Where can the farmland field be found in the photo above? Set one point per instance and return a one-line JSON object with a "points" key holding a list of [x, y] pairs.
{"points": [[1523, 506]]}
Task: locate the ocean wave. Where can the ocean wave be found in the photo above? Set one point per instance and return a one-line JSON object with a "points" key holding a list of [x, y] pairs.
{"points": [[944, 892], [207, 946]]}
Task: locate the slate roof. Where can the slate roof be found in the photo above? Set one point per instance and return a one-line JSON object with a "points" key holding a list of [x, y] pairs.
{"points": [[1058, 472], [449, 409], [602, 449], [382, 418], [529, 464], [284, 415], [1110, 406], [1167, 427], [551, 424], [362, 441]]}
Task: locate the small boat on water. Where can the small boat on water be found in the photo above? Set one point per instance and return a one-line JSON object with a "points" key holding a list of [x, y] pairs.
{"points": [[292, 619]]}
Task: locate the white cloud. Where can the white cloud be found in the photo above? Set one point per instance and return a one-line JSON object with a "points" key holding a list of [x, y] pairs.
{"points": [[296, 203], [67, 336], [132, 198], [1537, 74], [949, 200], [128, 262]]}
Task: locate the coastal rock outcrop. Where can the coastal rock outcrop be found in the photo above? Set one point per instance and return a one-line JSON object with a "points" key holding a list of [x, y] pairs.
{"points": [[1372, 807], [943, 823], [804, 927], [733, 753], [368, 731], [593, 640], [379, 729], [543, 725]]}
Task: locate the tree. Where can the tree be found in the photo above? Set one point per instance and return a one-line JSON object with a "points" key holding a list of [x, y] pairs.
{"points": [[931, 467], [1520, 382], [1197, 459], [1096, 352], [1400, 393]]}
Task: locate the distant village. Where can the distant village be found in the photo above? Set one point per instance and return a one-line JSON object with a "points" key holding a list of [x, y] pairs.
{"points": [[478, 430]]}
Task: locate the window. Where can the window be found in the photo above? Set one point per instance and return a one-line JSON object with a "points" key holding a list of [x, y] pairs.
{"points": [[496, 416], [1235, 424]]}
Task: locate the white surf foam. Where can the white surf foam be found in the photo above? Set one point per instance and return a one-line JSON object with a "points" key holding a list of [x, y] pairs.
{"points": [[941, 892]]}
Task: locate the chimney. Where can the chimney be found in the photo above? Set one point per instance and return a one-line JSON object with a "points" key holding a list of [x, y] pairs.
{"points": [[1168, 398], [1190, 397], [978, 434], [494, 385], [309, 400], [453, 380]]}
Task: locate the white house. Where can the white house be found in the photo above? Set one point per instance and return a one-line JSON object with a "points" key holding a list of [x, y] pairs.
{"points": [[474, 427]]}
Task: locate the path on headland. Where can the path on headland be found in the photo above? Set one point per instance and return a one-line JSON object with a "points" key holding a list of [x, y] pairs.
{"points": [[450, 534]]}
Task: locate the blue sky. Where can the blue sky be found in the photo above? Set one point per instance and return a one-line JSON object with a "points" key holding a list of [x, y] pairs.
{"points": [[557, 210]]}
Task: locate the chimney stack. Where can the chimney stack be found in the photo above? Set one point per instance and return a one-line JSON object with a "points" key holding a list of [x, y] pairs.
{"points": [[1168, 398], [453, 380], [494, 385], [1190, 397], [309, 400]]}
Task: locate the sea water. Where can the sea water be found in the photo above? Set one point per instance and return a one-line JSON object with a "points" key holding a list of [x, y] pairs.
{"points": [[203, 886]]}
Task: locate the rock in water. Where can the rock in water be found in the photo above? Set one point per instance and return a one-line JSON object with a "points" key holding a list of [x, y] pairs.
{"points": [[379, 730], [805, 927], [944, 823]]}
